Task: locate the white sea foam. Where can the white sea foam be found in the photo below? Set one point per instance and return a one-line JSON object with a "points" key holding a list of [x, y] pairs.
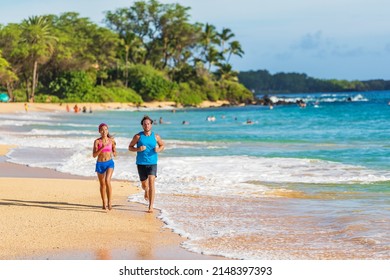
{"points": [[30, 116], [322, 98], [23, 122], [188, 174], [43, 132], [200, 172]]}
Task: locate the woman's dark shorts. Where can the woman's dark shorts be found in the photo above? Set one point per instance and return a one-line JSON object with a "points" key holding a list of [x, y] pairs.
{"points": [[145, 170]]}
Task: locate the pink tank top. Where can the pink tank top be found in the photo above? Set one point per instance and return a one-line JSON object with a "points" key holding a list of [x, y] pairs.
{"points": [[107, 148]]}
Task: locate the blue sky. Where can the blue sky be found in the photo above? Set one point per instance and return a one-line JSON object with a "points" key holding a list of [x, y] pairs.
{"points": [[340, 39]]}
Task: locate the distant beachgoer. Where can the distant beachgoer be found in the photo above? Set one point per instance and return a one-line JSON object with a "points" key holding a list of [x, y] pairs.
{"points": [[67, 108], [104, 148], [147, 144], [76, 108], [26, 107], [185, 122], [301, 103], [161, 121], [84, 109]]}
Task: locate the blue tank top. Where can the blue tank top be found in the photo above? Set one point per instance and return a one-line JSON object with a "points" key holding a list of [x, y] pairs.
{"points": [[149, 156]]}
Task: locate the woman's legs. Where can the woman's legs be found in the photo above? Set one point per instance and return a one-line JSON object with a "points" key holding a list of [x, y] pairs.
{"points": [[109, 188], [103, 193]]}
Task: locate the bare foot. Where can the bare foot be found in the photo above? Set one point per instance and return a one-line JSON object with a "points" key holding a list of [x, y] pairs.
{"points": [[109, 207], [150, 210]]}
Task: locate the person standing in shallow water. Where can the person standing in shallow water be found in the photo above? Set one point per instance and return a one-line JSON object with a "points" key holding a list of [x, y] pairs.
{"points": [[103, 148], [147, 144]]}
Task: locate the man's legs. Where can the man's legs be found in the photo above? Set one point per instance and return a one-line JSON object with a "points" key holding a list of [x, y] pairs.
{"points": [[152, 192], [145, 187]]}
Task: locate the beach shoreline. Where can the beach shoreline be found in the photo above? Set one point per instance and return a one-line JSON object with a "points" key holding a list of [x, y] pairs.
{"points": [[57, 216], [18, 107]]}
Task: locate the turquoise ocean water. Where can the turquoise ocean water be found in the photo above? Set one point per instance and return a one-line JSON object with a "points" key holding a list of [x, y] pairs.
{"points": [[295, 183]]}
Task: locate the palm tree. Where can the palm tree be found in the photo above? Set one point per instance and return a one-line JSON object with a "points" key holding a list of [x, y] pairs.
{"points": [[36, 34], [225, 72], [209, 37], [234, 48], [133, 53], [213, 57], [225, 36]]}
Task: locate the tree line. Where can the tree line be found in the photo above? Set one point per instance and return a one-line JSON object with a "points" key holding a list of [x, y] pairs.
{"points": [[262, 82], [149, 51]]}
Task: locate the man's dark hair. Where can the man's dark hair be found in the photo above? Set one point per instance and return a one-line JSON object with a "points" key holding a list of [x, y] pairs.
{"points": [[146, 118]]}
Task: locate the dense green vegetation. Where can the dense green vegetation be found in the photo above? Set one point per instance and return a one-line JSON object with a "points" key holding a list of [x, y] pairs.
{"points": [[149, 51], [262, 82]]}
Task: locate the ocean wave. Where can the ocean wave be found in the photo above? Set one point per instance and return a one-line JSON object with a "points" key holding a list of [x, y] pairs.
{"points": [[59, 132], [252, 177], [319, 98], [23, 122]]}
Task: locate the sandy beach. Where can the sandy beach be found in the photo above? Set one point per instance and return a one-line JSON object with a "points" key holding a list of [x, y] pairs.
{"points": [[17, 107], [51, 215]]}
